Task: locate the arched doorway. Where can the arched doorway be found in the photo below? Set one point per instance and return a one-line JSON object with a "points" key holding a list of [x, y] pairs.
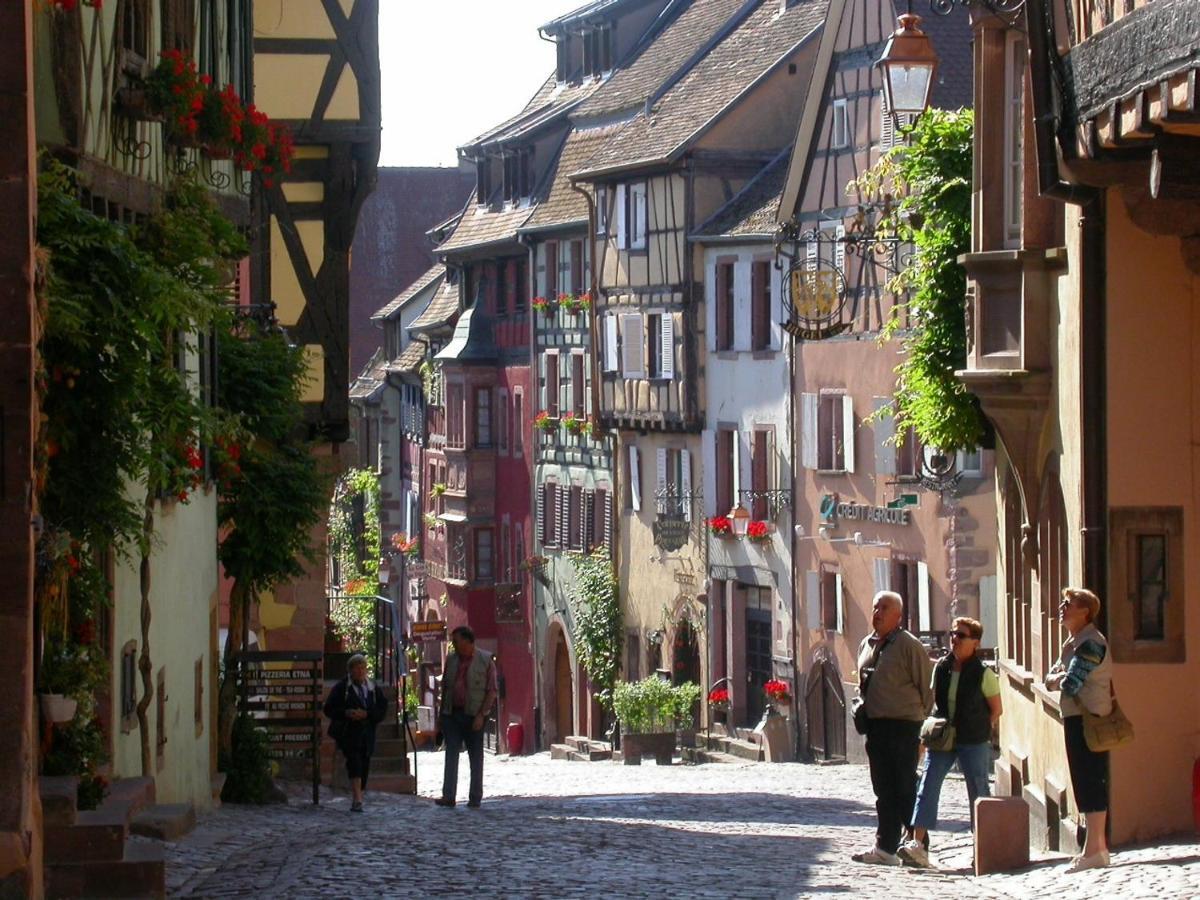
{"points": [[685, 654], [561, 688], [825, 711]]}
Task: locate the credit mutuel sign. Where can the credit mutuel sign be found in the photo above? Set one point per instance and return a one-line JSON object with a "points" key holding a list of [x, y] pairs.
{"points": [[833, 510]]}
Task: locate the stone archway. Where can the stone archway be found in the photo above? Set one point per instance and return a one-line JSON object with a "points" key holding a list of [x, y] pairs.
{"points": [[558, 685]]}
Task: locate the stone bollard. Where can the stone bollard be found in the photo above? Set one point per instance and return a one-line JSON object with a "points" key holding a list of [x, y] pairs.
{"points": [[1001, 834]]}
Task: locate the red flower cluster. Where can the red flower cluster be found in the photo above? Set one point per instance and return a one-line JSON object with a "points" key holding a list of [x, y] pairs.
{"points": [[229, 454], [777, 691], [719, 696], [758, 531], [68, 5], [196, 110], [541, 304], [719, 526], [544, 422]]}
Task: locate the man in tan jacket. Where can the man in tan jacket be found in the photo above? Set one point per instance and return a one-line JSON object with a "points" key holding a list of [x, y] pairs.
{"points": [[895, 685]]}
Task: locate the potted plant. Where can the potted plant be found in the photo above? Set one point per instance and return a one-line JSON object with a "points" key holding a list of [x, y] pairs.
{"points": [[430, 519], [758, 532], [718, 699], [778, 693], [573, 424], [173, 89], [69, 670], [437, 488], [649, 712], [544, 422], [542, 305], [720, 526]]}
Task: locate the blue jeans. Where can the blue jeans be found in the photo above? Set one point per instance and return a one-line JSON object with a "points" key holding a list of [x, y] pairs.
{"points": [[974, 760]]}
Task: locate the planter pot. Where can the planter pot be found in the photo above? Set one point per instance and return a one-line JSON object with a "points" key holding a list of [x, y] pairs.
{"points": [[660, 745], [134, 103], [58, 709]]}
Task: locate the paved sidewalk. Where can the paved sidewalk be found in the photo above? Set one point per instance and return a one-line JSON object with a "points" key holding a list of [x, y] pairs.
{"points": [[565, 829]]}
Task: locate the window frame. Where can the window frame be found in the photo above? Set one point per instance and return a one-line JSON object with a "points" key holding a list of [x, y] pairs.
{"points": [[1013, 153], [839, 125], [1127, 526], [480, 576], [724, 309], [482, 415]]}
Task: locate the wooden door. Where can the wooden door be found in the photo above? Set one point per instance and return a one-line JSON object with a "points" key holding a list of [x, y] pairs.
{"points": [[564, 717], [758, 661]]}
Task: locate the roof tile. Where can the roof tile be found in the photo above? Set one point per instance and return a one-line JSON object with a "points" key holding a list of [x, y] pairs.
{"points": [[397, 303], [441, 309], [751, 213]]}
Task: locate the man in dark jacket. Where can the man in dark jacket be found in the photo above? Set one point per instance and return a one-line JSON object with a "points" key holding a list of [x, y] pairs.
{"points": [[354, 707]]}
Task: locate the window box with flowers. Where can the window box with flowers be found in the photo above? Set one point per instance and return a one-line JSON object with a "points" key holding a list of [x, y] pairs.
{"points": [[759, 532], [718, 699], [720, 526], [576, 303], [778, 692], [573, 424], [544, 422], [542, 305], [410, 547]]}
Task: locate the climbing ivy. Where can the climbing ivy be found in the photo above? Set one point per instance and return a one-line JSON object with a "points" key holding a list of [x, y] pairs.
{"points": [[596, 610], [928, 181], [355, 543]]}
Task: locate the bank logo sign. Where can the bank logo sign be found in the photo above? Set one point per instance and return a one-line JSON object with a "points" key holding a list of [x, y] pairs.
{"points": [[834, 510]]}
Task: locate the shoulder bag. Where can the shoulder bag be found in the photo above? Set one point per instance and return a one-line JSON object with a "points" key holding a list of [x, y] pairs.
{"points": [[1104, 733], [860, 705]]}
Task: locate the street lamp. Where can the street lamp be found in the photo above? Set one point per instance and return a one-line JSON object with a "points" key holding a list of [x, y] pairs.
{"points": [[909, 63], [739, 520]]}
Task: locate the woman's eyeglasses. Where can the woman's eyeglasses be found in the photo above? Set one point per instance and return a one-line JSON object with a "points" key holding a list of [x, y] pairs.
{"points": [[962, 636]]}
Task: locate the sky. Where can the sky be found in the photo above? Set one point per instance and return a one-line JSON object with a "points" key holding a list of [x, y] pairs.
{"points": [[453, 68]]}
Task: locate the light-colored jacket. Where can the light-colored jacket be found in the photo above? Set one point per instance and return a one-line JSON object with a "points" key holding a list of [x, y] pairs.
{"points": [[477, 682], [1089, 683], [900, 687]]}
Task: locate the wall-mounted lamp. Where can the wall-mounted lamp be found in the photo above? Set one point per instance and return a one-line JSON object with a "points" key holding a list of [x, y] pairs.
{"points": [[739, 520], [909, 63]]}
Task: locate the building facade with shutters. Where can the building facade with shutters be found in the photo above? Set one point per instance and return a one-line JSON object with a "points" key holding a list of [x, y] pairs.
{"points": [[864, 519], [1082, 280]]}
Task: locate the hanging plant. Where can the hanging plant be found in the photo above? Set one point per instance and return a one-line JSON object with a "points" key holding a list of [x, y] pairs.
{"points": [[437, 488], [596, 610]]}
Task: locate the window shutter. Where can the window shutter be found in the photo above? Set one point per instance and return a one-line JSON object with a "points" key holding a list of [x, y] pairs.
{"points": [[619, 215], [637, 219], [685, 468], [883, 573], [608, 530], [633, 345], [887, 128], [660, 483], [575, 509], [589, 519], [924, 613], [668, 345], [809, 404], [540, 512], [635, 479], [847, 432], [885, 430], [841, 606], [710, 471], [612, 361], [812, 599], [562, 523]]}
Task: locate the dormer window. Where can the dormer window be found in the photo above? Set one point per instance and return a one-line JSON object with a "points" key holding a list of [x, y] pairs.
{"points": [[597, 50], [564, 59], [518, 175], [483, 181]]}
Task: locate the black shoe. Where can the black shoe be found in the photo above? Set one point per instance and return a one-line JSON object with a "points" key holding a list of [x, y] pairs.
{"points": [[356, 807], [473, 804], [442, 801]]}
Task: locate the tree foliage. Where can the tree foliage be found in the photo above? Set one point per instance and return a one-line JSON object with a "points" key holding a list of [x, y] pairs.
{"points": [[596, 610], [930, 177]]}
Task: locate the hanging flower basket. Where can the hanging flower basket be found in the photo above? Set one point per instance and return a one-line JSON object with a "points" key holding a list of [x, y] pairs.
{"points": [[758, 532], [720, 526], [58, 709], [718, 699], [778, 692]]}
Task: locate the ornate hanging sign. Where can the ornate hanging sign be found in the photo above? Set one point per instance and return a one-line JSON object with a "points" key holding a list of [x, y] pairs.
{"points": [[817, 292]]}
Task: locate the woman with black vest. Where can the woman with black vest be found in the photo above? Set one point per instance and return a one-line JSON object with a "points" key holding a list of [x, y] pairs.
{"points": [[966, 696]]}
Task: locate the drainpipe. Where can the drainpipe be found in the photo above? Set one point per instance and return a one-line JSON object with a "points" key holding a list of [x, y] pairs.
{"points": [[1092, 289]]}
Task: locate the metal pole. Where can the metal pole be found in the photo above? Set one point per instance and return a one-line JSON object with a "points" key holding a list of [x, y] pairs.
{"points": [[316, 735]]}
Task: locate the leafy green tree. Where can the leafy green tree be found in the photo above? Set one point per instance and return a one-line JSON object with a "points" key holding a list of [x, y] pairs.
{"points": [[596, 610]]}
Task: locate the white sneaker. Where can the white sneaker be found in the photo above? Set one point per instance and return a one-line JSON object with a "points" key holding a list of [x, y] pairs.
{"points": [[914, 853], [1095, 861], [877, 857]]}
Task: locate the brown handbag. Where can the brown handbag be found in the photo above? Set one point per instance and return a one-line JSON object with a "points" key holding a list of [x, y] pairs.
{"points": [[1104, 733]]}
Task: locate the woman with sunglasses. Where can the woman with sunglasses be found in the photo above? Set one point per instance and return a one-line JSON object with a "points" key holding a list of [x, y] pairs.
{"points": [[967, 695]]}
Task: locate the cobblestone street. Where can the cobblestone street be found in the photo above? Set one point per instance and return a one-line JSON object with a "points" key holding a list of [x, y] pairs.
{"points": [[565, 829]]}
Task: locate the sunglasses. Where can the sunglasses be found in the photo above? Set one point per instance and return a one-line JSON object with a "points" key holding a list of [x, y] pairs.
{"points": [[962, 636]]}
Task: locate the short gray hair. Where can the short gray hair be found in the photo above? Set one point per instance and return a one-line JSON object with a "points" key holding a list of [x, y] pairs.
{"points": [[355, 660], [891, 596]]}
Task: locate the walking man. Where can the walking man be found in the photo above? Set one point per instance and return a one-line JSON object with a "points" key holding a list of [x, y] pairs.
{"points": [[894, 684], [468, 695]]}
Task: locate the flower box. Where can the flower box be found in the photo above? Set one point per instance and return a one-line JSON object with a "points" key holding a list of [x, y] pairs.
{"points": [[720, 526], [759, 532], [544, 422], [660, 745]]}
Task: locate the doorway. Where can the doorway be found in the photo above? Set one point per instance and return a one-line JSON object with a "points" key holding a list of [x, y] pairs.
{"points": [[686, 663], [758, 651], [564, 713], [825, 712]]}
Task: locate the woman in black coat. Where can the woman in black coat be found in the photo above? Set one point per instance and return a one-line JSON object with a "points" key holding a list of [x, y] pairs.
{"points": [[354, 707]]}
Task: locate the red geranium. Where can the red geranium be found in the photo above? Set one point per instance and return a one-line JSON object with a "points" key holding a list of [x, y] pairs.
{"points": [[758, 531], [719, 526], [777, 691], [719, 696]]}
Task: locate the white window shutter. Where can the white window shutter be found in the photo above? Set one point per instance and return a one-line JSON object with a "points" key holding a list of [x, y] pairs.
{"points": [[619, 215], [660, 483], [883, 573], [637, 218], [809, 405], [848, 432], [545, 398], [885, 430], [612, 359], [812, 599], [924, 613], [841, 606], [635, 479], [708, 469], [685, 469], [668, 345]]}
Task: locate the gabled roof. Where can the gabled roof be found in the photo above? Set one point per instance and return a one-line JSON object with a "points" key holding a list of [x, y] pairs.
{"points": [[410, 358], [696, 99], [429, 279], [440, 311], [482, 226], [473, 342], [752, 211], [369, 382], [562, 99], [586, 12], [563, 204], [631, 86]]}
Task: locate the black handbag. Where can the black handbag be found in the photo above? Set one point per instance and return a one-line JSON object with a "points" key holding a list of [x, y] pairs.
{"points": [[860, 705]]}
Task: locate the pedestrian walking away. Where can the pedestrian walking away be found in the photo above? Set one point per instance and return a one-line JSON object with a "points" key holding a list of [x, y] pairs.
{"points": [[355, 705], [966, 696], [895, 696], [1083, 673], [468, 696]]}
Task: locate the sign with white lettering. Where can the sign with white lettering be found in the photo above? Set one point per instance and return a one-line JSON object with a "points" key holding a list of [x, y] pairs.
{"points": [[833, 510]]}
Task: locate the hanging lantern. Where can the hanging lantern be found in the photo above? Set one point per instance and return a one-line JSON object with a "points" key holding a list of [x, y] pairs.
{"points": [[909, 63]]}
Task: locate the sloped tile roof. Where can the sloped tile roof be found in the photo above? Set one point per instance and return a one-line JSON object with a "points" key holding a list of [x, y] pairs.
{"points": [[632, 85], [711, 85], [441, 309], [428, 279], [410, 358], [370, 379], [752, 211], [483, 225], [563, 204]]}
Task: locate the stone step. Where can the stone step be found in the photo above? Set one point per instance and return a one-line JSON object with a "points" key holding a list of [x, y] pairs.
{"points": [[59, 794], [97, 834], [698, 756], [744, 750], [139, 872], [561, 751], [164, 821], [391, 783]]}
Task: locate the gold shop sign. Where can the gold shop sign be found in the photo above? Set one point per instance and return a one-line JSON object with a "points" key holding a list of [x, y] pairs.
{"points": [[818, 297]]}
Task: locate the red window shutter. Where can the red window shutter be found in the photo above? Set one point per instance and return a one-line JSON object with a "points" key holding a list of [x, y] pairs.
{"points": [[759, 474], [760, 321], [551, 270], [723, 332], [577, 384], [577, 285]]}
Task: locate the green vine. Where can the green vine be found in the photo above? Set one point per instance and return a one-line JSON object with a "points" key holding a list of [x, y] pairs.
{"points": [[931, 177], [596, 609], [355, 542]]}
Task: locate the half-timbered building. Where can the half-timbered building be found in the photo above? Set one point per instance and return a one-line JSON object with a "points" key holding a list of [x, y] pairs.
{"points": [[1082, 287], [864, 520]]}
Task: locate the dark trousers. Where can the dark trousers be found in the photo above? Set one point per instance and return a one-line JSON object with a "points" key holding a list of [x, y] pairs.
{"points": [[358, 763], [1089, 770], [893, 746], [457, 730]]}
